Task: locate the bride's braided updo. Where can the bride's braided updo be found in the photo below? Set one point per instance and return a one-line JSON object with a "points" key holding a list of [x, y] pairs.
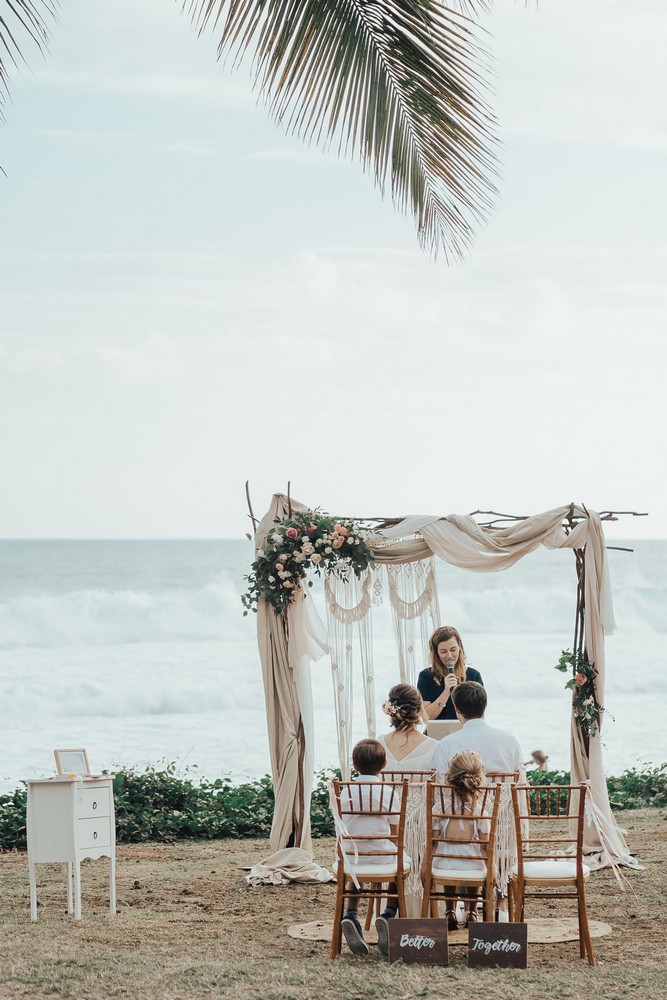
{"points": [[404, 707]]}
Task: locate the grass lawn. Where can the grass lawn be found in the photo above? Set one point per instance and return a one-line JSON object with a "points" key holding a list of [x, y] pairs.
{"points": [[188, 926]]}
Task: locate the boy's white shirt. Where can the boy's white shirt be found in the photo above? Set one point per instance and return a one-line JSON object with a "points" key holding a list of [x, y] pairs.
{"points": [[372, 824]]}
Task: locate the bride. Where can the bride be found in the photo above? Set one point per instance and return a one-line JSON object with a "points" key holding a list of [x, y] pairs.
{"points": [[409, 750], [406, 747]]}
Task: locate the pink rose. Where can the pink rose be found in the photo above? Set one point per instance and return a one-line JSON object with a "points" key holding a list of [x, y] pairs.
{"points": [[337, 542], [311, 527], [292, 533], [580, 679]]}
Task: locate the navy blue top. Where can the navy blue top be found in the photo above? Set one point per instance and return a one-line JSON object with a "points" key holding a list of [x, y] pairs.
{"points": [[430, 689]]}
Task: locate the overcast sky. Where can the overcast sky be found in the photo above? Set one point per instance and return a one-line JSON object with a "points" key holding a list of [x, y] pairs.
{"points": [[190, 299]]}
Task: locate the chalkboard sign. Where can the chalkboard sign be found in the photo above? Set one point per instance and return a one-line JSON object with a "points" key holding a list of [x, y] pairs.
{"points": [[418, 941], [499, 946]]}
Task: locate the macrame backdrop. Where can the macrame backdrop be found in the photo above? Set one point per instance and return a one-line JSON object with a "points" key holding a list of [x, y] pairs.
{"points": [[461, 541], [413, 595], [348, 604]]}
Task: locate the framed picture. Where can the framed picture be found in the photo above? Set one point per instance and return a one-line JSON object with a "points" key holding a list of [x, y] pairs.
{"points": [[72, 761]]}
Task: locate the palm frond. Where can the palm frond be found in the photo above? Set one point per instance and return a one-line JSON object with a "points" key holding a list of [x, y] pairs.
{"points": [[400, 83], [21, 21]]}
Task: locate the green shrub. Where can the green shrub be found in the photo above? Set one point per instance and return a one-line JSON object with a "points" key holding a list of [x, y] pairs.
{"points": [[12, 819], [636, 789], [321, 820], [159, 804]]}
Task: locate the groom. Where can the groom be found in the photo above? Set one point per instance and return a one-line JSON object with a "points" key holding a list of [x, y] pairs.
{"points": [[499, 750]]}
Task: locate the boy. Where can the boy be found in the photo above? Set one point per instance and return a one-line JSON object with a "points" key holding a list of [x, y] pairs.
{"points": [[368, 759]]}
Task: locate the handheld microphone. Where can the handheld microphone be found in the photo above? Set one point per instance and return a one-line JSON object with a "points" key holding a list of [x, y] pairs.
{"points": [[451, 667]]}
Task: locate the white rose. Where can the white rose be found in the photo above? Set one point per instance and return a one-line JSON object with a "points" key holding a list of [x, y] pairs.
{"points": [[350, 540], [282, 557], [316, 558], [287, 583], [328, 550], [307, 549], [298, 557], [282, 574], [272, 579]]}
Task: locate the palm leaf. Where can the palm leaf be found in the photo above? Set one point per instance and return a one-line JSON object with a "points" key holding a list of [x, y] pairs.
{"points": [[20, 21], [399, 83]]}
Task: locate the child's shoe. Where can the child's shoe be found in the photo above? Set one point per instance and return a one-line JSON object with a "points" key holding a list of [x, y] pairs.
{"points": [[353, 933], [382, 928]]}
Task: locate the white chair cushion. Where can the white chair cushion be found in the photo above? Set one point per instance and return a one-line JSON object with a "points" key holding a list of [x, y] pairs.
{"points": [[379, 872], [454, 876], [550, 870]]}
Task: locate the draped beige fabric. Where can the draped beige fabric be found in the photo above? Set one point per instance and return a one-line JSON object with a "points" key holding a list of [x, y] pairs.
{"points": [[461, 541], [290, 733]]}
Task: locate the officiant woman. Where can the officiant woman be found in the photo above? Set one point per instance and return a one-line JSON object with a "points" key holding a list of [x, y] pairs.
{"points": [[448, 668]]}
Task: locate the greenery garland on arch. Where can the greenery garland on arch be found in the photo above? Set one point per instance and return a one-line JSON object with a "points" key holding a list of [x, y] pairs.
{"points": [[309, 539], [586, 708]]}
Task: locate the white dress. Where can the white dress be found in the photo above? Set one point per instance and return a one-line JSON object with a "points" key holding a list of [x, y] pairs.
{"points": [[466, 855], [419, 759]]}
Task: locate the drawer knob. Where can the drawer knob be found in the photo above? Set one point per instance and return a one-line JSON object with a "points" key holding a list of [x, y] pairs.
{"points": [[94, 805], [95, 835]]}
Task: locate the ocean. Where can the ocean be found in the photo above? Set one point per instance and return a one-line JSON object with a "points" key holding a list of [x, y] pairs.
{"points": [[139, 651]]}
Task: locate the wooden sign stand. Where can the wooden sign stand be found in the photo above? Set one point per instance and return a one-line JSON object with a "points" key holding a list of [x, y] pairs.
{"points": [[497, 946], [422, 941]]}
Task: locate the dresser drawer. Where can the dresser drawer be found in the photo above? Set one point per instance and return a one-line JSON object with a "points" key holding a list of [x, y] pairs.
{"points": [[95, 802], [94, 833]]}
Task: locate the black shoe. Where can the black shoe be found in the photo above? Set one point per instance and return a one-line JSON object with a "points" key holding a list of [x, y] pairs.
{"points": [[354, 936], [382, 928]]}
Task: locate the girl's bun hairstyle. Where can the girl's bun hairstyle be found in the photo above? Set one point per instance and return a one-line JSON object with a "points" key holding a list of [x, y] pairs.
{"points": [[466, 774]]}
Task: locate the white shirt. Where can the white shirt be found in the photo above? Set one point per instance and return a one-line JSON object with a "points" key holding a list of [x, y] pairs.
{"points": [[373, 824], [499, 750]]}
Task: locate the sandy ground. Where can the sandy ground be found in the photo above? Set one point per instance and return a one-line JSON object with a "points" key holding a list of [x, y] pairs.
{"points": [[186, 907]]}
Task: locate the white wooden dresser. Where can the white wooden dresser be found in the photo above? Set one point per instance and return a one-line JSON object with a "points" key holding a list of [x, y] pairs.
{"points": [[70, 819]]}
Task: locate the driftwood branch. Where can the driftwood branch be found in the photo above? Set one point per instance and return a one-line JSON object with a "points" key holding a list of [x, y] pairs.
{"points": [[255, 522], [613, 515], [570, 520]]}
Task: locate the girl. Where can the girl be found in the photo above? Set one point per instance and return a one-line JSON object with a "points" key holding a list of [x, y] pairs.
{"points": [[465, 830], [407, 748]]}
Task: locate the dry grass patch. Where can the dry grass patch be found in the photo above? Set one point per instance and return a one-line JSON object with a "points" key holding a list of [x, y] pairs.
{"points": [[188, 926]]}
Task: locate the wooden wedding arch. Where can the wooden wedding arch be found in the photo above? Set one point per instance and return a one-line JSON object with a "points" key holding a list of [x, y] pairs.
{"points": [[481, 542]]}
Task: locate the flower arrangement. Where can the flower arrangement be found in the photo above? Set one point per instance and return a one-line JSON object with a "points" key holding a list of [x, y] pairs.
{"points": [[585, 706], [307, 540], [391, 708]]}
